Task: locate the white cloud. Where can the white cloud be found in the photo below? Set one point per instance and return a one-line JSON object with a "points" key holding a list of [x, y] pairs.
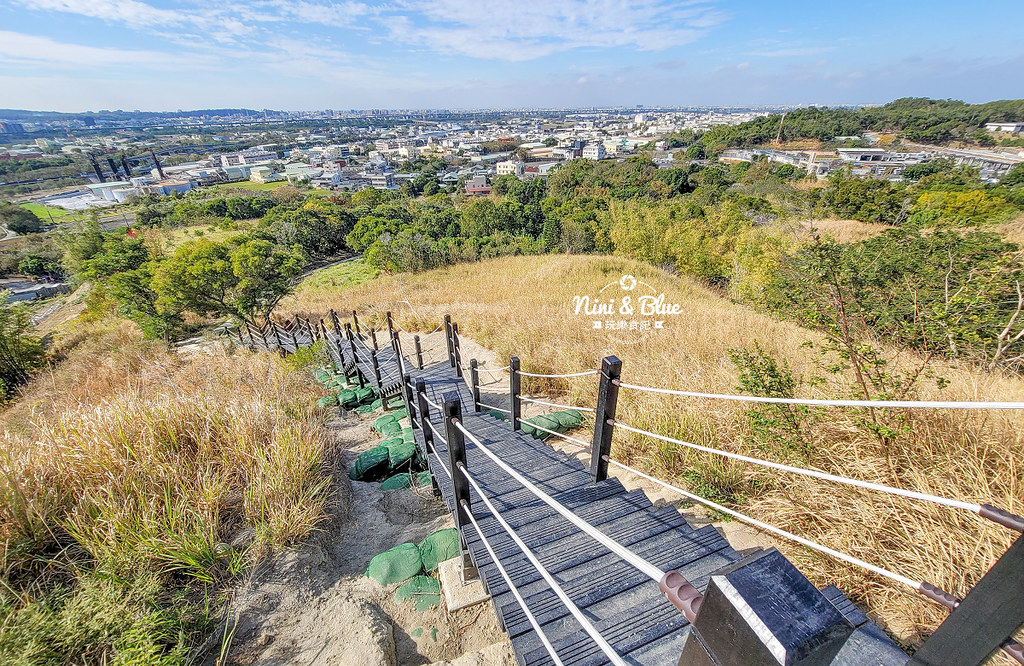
{"points": [[517, 31], [17, 47], [130, 12]]}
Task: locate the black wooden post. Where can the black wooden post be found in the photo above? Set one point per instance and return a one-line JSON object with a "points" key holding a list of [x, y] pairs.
{"points": [[990, 613], [373, 336], [513, 391], [335, 322], [428, 432], [277, 336], [457, 348], [410, 404], [391, 324], [421, 401], [474, 384], [460, 484], [263, 336], [607, 399], [376, 375], [355, 319], [323, 330], [448, 339], [396, 344], [352, 348], [419, 351], [295, 338]]}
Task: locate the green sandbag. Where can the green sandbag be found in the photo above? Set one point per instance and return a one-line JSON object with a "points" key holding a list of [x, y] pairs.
{"points": [[496, 414], [396, 565], [528, 429], [423, 590], [382, 421], [327, 401], [397, 482], [364, 409], [392, 429], [568, 418], [322, 376], [391, 441], [370, 465], [547, 422], [364, 394], [400, 414], [423, 478], [399, 454], [347, 397], [407, 433], [438, 547], [377, 404]]}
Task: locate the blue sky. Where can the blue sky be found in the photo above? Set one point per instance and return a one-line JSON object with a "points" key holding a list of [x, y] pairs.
{"points": [[74, 55]]}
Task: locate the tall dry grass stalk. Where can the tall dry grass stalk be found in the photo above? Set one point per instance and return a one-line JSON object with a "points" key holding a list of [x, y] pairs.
{"points": [[523, 306], [147, 459]]}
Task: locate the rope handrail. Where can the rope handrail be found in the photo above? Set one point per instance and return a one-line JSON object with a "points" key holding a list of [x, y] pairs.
{"points": [[440, 462], [898, 404], [932, 592], [558, 434], [431, 402], [771, 528], [493, 370], [912, 494], [592, 631], [497, 409], [439, 435], [627, 555], [553, 404], [568, 374], [511, 586], [488, 389]]}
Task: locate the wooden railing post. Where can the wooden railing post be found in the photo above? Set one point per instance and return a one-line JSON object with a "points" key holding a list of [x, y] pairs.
{"points": [[263, 336], [335, 322], [373, 336], [419, 351], [448, 339], [513, 391], [460, 484], [376, 374], [391, 324], [277, 336], [355, 320], [410, 404], [396, 345], [355, 359], [295, 338], [989, 615], [607, 399], [421, 401], [458, 349], [474, 384]]}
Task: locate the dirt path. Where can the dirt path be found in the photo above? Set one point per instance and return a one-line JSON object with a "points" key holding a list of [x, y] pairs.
{"points": [[314, 605]]}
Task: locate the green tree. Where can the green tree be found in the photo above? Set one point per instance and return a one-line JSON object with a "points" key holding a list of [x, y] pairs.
{"points": [[19, 220], [245, 280], [20, 352], [137, 301]]}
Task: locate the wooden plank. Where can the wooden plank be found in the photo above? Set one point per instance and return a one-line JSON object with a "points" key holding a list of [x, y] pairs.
{"points": [[987, 616]]}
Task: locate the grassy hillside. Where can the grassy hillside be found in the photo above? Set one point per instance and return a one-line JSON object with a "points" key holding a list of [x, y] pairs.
{"points": [[523, 306], [136, 483]]}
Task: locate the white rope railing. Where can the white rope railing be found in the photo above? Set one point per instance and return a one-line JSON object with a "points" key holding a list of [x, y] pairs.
{"points": [[441, 462], [557, 434], [439, 435], [568, 374], [554, 404], [774, 530], [497, 409], [632, 558], [588, 627], [912, 494], [512, 587], [431, 402], [897, 404]]}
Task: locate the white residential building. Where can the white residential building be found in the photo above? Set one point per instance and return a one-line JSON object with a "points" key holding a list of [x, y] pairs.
{"points": [[509, 168], [593, 151]]}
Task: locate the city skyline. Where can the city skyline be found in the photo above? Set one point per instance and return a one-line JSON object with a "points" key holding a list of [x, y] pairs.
{"points": [[77, 55]]}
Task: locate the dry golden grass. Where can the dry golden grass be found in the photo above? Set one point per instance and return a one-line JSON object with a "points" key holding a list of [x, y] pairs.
{"points": [[523, 306], [1012, 231], [844, 231], [146, 458]]}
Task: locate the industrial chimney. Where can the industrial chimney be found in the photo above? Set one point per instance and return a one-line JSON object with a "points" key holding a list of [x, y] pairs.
{"points": [[96, 168], [113, 167], [159, 169], [127, 167]]}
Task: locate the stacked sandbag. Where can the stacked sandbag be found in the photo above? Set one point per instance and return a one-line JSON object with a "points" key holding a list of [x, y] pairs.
{"points": [[561, 422], [408, 563]]}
